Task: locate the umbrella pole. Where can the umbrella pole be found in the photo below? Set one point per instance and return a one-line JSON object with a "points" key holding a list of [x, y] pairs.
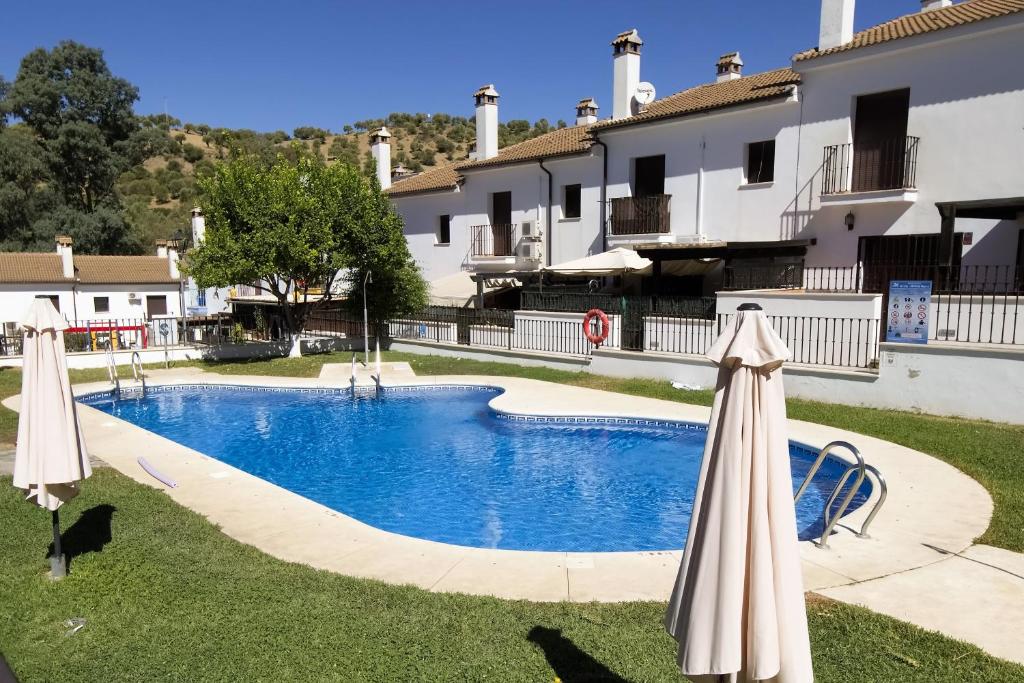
{"points": [[58, 569]]}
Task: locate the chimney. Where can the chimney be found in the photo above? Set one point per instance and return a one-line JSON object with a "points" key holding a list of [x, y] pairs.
{"points": [[929, 5], [171, 250], [380, 147], [67, 257], [626, 67], [161, 248], [836, 23], [730, 67], [486, 99], [586, 112], [198, 226]]}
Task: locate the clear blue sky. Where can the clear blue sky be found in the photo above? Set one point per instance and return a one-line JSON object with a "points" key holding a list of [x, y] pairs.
{"points": [[273, 65]]}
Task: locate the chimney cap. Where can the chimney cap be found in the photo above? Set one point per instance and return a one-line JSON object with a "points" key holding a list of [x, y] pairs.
{"points": [[730, 58], [630, 36], [161, 243], [63, 240], [487, 90], [197, 211], [381, 134], [588, 102]]}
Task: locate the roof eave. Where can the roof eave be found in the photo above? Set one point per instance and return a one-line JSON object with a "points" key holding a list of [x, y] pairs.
{"points": [[627, 123]]}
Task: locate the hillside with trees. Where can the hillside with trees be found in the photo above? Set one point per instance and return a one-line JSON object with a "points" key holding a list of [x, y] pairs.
{"points": [[75, 157]]}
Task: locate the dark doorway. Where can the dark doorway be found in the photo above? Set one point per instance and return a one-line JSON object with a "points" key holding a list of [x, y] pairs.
{"points": [[501, 223], [156, 305], [908, 257], [649, 176], [880, 141]]}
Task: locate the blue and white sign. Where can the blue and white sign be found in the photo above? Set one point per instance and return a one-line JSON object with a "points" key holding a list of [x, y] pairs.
{"points": [[909, 311]]}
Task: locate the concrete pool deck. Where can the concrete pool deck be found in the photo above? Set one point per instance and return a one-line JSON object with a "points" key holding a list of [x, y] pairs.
{"points": [[916, 551]]}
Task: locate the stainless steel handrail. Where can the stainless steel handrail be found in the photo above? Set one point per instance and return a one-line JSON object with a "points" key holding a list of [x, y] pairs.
{"points": [[820, 459], [137, 372], [883, 490], [112, 371]]}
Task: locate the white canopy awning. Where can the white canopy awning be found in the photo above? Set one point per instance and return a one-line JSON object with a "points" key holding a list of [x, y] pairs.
{"points": [[614, 262], [458, 289]]}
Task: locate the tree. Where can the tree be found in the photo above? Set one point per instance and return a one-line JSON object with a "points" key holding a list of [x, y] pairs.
{"points": [[87, 135], [191, 152], [310, 133], [290, 226]]}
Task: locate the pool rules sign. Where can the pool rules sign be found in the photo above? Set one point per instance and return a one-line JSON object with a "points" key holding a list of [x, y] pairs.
{"points": [[909, 311]]}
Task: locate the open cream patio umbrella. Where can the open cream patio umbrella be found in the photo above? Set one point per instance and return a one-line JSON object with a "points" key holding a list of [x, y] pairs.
{"points": [[737, 609], [50, 458]]}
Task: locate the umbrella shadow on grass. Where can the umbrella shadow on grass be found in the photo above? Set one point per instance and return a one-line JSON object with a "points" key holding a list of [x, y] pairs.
{"points": [[89, 533], [570, 664]]}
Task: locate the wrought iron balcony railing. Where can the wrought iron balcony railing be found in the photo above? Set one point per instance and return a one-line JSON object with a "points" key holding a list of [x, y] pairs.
{"points": [[889, 164], [498, 239], [640, 215]]}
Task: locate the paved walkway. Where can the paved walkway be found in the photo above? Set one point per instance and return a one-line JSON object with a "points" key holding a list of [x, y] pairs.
{"points": [[919, 564]]}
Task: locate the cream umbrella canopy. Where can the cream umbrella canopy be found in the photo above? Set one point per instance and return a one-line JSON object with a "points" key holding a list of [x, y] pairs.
{"points": [[737, 609], [50, 458]]}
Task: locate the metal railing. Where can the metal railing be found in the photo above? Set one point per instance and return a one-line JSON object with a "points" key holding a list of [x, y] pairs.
{"points": [[497, 239], [972, 304], [767, 276], [889, 164], [581, 302], [640, 215], [816, 340]]}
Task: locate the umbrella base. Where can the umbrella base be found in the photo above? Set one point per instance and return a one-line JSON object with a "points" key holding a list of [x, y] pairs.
{"points": [[58, 567]]}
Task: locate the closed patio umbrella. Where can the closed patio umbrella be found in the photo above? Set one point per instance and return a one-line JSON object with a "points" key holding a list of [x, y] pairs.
{"points": [[50, 458], [737, 609]]}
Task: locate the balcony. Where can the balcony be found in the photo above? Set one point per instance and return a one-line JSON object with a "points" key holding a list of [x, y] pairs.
{"points": [[636, 217], [487, 241], [884, 171]]}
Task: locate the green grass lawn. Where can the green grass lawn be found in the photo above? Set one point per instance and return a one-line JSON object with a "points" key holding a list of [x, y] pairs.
{"points": [[166, 596]]}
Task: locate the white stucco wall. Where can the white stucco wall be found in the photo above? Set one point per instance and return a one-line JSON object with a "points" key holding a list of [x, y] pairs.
{"points": [[966, 105], [712, 148], [79, 304], [420, 215]]}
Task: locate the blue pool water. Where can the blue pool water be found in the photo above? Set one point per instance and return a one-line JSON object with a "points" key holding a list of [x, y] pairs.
{"points": [[439, 464]]}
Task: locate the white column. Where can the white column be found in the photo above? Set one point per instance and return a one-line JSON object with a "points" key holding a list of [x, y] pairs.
{"points": [[836, 23]]}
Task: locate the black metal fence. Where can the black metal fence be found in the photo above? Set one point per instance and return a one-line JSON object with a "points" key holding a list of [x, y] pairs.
{"points": [[979, 304], [768, 276], [640, 215]]}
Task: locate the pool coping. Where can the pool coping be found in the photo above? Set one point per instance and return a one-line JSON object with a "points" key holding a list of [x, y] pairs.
{"points": [[914, 521]]}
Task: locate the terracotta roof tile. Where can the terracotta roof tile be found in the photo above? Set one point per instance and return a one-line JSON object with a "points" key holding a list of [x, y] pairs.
{"points": [[560, 142], [763, 86], [96, 270], [919, 23], [441, 178], [123, 270], [15, 268]]}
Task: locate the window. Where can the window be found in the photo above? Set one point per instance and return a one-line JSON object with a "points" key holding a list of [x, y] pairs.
{"points": [[761, 162], [201, 298], [444, 229], [54, 299], [101, 304], [649, 176], [571, 201], [156, 305]]}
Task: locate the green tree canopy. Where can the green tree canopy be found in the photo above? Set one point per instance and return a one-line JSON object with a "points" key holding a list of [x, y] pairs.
{"points": [[293, 225], [82, 127]]}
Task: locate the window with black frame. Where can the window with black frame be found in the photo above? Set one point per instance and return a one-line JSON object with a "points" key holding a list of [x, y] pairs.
{"points": [[571, 201], [761, 162], [444, 229]]}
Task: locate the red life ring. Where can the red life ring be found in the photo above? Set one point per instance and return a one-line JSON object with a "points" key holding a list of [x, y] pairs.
{"points": [[596, 339]]}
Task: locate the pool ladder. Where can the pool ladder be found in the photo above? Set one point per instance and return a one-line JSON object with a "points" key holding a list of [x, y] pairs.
{"points": [[861, 469], [137, 372], [112, 372]]}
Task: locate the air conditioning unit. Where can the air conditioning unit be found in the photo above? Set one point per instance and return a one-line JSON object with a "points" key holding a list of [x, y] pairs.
{"points": [[530, 251], [530, 230]]}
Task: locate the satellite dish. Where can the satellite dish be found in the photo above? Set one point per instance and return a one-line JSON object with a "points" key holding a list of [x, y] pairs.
{"points": [[644, 94]]}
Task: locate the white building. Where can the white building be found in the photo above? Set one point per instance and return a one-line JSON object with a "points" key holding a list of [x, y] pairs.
{"points": [[899, 145], [93, 291]]}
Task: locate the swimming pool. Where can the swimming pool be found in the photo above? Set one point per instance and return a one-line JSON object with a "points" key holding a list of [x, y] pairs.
{"points": [[439, 464]]}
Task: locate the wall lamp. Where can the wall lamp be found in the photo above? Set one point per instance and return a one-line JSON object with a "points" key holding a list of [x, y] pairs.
{"points": [[850, 220]]}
